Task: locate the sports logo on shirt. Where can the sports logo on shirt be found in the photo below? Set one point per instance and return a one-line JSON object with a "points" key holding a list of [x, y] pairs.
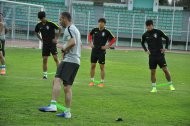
{"points": [[47, 27], [103, 34], [155, 35]]}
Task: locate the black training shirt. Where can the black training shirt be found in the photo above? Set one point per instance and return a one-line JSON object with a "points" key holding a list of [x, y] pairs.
{"points": [[47, 30], [154, 41], [100, 38]]}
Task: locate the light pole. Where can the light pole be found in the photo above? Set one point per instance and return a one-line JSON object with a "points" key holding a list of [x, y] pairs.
{"points": [[172, 26]]}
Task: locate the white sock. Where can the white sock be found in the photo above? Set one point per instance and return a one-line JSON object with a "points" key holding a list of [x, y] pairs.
{"points": [[3, 67], [53, 103], [154, 85], [45, 73], [67, 109], [170, 83], [102, 81]]}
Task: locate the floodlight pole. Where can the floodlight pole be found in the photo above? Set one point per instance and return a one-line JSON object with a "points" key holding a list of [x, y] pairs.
{"points": [[28, 30], [172, 26], [132, 30], [188, 28], [40, 42], [157, 21], [145, 17], [13, 24], [118, 20], [88, 27]]}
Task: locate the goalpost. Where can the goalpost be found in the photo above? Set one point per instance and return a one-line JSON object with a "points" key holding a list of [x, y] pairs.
{"points": [[21, 19]]}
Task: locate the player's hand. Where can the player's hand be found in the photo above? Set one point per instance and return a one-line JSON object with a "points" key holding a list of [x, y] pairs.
{"points": [[63, 53], [91, 45], [55, 40], [163, 50], [148, 52], [105, 47]]}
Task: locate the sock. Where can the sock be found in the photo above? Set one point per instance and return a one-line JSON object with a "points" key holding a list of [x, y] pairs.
{"points": [[154, 85], [170, 83], [102, 81], [3, 67], [53, 103], [92, 79], [67, 109], [45, 74]]}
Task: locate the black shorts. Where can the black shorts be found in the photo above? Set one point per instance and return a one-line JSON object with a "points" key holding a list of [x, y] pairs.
{"points": [[49, 48], [100, 57], [67, 72], [157, 60]]}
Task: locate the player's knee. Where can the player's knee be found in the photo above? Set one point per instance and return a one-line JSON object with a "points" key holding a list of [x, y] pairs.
{"points": [[56, 81], [1, 55], [55, 58], [67, 88], [45, 60], [153, 72], [93, 66], [102, 68], [165, 70]]}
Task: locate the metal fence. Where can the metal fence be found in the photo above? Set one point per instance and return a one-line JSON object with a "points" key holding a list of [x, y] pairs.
{"points": [[131, 38]]}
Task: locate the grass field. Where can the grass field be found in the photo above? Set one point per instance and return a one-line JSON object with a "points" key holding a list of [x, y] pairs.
{"points": [[127, 92]]}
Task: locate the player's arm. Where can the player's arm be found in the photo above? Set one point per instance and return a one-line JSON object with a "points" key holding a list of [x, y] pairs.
{"points": [[66, 47], [6, 29], [69, 44], [163, 35], [90, 38], [143, 44], [37, 31], [111, 41], [57, 27]]}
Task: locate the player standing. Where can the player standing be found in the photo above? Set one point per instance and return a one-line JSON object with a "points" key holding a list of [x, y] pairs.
{"points": [[49, 39], [3, 31], [98, 38], [156, 53], [68, 68]]}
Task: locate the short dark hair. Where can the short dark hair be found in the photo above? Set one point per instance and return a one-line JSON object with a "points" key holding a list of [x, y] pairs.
{"points": [[102, 20], [67, 15], [41, 14], [149, 22]]}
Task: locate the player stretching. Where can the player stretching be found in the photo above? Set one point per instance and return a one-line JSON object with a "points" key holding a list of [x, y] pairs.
{"points": [[156, 52], [98, 38], [68, 68], [49, 39], [3, 31]]}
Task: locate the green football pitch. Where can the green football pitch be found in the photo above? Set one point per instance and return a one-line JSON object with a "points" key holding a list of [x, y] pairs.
{"points": [[126, 94]]}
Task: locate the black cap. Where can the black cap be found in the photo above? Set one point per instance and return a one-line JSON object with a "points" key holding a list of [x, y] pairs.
{"points": [[41, 14], [149, 22], [102, 20]]}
